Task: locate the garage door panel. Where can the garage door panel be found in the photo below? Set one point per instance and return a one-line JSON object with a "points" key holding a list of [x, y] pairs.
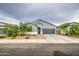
{"points": [[48, 31]]}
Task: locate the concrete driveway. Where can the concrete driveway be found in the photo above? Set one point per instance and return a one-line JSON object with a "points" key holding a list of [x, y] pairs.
{"points": [[54, 38]]}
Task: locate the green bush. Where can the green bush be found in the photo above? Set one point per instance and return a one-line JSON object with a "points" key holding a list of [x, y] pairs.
{"points": [[11, 30], [73, 29], [2, 37], [29, 29], [25, 27]]}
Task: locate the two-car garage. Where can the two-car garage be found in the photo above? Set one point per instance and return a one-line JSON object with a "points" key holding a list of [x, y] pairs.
{"points": [[48, 31]]}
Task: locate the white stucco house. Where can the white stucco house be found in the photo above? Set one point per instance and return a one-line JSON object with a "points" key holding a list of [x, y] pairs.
{"points": [[43, 27]]}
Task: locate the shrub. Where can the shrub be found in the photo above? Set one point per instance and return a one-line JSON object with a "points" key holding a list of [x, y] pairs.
{"points": [[27, 37], [71, 29], [11, 30], [2, 37], [25, 27]]}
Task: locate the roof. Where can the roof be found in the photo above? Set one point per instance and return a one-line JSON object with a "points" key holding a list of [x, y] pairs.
{"points": [[44, 21], [2, 24]]}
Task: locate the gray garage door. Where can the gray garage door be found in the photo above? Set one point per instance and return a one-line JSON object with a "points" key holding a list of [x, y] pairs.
{"points": [[48, 31]]}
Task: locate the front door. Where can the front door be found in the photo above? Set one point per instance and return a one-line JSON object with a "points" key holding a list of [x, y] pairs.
{"points": [[39, 30]]}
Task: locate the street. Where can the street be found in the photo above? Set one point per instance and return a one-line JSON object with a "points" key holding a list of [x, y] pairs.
{"points": [[39, 49]]}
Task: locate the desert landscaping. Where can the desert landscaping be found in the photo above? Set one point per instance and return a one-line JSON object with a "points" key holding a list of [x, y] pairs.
{"points": [[36, 37]]}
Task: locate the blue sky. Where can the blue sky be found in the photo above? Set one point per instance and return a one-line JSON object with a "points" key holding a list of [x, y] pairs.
{"points": [[55, 13]]}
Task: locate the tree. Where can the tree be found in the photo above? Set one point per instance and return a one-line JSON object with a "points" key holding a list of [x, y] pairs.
{"points": [[29, 28], [71, 29], [64, 28], [74, 30], [11, 30], [22, 28], [25, 27]]}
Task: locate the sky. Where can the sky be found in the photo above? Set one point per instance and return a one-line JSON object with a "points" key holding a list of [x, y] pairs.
{"points": [[55, 13]]}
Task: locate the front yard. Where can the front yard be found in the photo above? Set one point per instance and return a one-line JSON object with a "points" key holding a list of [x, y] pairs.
{"points": [[20, 31], [37, 37], [71, 37]]}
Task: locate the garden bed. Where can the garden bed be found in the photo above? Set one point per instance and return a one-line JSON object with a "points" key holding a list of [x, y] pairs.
{"points": [[25, 37]]}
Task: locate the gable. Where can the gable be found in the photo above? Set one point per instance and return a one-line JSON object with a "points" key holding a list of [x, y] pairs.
{"points": [[42, 23]]}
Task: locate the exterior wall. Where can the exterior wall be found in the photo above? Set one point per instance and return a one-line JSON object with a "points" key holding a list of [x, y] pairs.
{"points": [[32, 33], [34, 28]]}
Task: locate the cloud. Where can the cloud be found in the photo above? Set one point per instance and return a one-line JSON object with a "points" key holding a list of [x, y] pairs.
{"points": [[7, 18], [55, 13]]}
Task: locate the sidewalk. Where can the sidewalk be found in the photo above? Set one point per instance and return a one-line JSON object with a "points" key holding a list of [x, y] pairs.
{"points": [[23, 41], [4, 41]]}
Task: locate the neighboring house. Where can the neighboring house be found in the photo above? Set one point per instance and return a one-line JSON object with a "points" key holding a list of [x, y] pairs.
{"points": [[43, 27], [2, 26]]}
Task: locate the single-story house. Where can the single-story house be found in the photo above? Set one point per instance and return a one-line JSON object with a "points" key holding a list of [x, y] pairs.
{"points": [[43, 27]]}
